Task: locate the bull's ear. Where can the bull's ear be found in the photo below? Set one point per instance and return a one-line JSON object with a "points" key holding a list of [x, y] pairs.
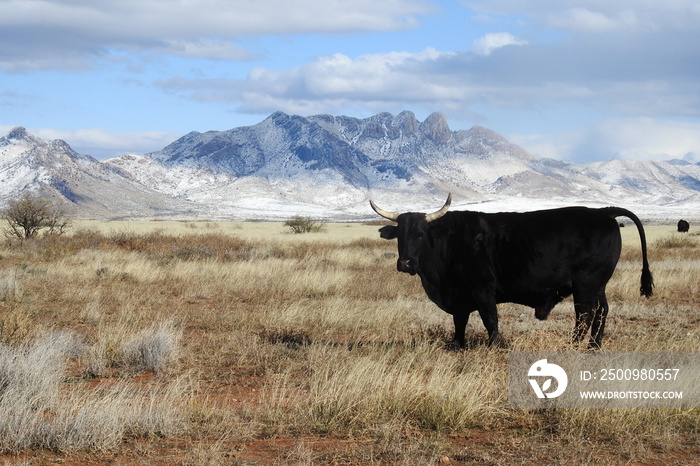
{"points": [[388, 232]]}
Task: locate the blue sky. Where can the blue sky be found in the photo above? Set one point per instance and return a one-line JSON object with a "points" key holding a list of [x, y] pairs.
{"points": [[571, 80]]}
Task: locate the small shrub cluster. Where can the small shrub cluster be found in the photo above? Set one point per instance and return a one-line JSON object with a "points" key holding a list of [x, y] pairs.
{"points": [[299, 224], [10, 288], [119, 346], [152, 349]]}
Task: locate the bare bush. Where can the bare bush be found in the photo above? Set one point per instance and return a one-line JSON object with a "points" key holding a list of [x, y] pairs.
{"points": [[29, 214]]}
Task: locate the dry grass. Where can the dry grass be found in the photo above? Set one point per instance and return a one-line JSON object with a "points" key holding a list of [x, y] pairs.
{"points": [[211, 344], [37, 410]]}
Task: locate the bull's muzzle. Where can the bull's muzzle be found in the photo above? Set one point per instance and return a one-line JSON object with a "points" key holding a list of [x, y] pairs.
{"points": [[406, 266]]}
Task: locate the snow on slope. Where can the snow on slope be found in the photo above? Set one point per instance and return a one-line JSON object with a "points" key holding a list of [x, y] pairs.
{"points": [[18, 171]]}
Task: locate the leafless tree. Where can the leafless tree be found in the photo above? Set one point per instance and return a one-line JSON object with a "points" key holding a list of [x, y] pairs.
{"points": [[29, 213]]}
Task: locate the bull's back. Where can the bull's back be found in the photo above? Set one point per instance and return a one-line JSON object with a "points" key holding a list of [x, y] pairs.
{"points": [[540, 256]]}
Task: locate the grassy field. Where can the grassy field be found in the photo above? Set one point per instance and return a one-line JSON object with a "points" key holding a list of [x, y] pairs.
{"points": [[240, 343]]}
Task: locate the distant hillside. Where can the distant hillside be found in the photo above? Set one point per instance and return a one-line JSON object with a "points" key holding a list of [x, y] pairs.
{"points": [[86, 186]]}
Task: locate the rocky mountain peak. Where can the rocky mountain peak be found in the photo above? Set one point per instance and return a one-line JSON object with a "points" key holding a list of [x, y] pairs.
{"points": [[435, 127], [406, 121], [18, 132], [485, 133], [62, 146]]}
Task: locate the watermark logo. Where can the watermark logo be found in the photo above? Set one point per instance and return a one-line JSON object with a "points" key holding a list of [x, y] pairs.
{"points": [[604, 379], [544, 373]]}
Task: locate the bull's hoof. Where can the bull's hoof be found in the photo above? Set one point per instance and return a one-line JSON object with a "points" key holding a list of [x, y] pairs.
{"points": [[498, 342], [454, 345]]}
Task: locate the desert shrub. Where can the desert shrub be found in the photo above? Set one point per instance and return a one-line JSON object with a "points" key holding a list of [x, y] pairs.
{"points": [[10, 287], [299, 224], [153, 348], [86, 238], [29, 214], [142, 242], [205, 247], [120, 346], [30, 374], [207, 225]]}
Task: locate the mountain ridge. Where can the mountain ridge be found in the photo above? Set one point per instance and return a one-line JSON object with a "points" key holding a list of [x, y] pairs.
{"points": [[329, 166]]}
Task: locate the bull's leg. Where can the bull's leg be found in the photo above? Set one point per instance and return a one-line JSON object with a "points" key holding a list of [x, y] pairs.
{"points": [[591, 311], [583, 322], [489, 316], [598, 325], [460, 320]]}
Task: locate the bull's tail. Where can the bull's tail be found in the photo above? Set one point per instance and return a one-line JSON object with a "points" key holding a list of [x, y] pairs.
{"points": [[647, 282]]}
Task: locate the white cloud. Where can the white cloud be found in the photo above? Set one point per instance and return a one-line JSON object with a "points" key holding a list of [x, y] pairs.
{"points": [[597, 16], [582, 19], [390, 74], [490, 42], [335, 81], [101, 143], [647, 138], [209, 18], [624, 138], [203, 48], [39, 34]]}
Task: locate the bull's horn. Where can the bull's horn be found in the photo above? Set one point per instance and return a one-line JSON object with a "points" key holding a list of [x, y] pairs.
{"points": [[388, 215], [441, 212]]}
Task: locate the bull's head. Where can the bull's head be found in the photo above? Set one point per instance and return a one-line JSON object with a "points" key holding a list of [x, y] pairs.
{"points": [[412, 231]]}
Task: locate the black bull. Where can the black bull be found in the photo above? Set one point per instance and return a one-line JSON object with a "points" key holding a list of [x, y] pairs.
{"points": [[471, 261]]}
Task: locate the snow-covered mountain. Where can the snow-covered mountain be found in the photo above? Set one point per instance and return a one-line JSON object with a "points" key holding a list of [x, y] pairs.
{"points": [[329, 166], [85, 185]]}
